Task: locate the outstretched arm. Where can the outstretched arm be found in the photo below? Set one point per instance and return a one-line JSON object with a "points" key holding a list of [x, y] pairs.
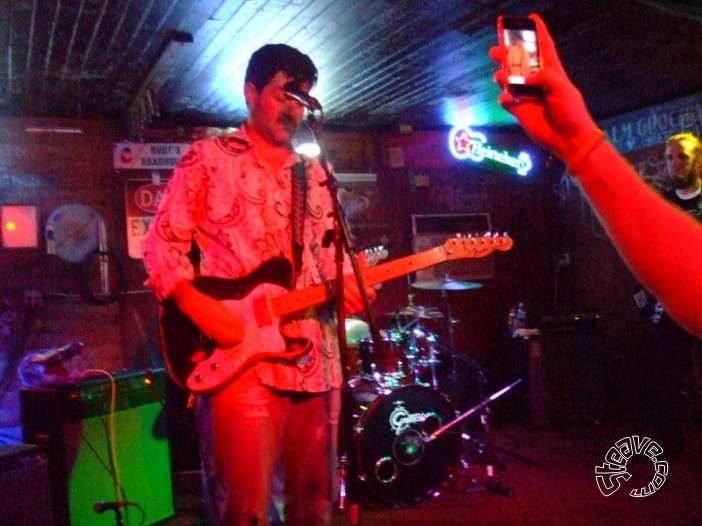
{"points": [[661, 244]]}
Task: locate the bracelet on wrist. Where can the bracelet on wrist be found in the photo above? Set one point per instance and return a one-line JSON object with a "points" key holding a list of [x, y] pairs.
{"points": [[584, 149]]}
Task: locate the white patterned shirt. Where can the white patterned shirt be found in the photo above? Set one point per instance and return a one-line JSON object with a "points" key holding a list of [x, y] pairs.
{"points": [[239, 214]]}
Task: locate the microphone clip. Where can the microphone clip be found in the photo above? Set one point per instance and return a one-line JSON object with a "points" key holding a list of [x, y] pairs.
{"points": [[293, 91]]}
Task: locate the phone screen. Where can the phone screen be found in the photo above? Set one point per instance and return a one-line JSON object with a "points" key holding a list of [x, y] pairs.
{"points": [[520, 52]]}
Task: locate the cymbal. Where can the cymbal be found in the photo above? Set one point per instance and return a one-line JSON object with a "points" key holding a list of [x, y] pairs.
{"points": [[355, 329], [446, 284]]}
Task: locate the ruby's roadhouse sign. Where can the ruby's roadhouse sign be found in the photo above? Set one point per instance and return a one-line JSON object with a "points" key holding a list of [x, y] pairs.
{"points": [[142, 197]]}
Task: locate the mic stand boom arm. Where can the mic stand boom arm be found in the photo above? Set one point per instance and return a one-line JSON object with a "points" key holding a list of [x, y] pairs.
{"points": [[465, 415]]}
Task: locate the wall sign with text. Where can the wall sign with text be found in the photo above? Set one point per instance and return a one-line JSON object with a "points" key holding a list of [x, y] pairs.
{"points": [[147, 156], [142, 197], [652, 126]]}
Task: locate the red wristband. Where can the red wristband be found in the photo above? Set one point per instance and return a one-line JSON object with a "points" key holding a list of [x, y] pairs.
{"points": [[584, 149]]}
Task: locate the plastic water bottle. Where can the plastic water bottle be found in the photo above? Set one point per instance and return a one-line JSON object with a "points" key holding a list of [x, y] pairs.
{"points": [[512, 321], [521, 316]]}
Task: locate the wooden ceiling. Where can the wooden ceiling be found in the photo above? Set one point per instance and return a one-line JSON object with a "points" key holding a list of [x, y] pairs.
{"points": [[381, 62]]}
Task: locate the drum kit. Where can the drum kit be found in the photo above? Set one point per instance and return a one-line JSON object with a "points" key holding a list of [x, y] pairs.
{"points": [[407, 392]]}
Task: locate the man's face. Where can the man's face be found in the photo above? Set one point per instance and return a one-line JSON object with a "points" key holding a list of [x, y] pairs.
{"points": [[680, 161], [275, 116]]}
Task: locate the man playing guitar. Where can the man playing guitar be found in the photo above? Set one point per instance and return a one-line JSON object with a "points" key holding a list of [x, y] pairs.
{"points": [[233, 196]]}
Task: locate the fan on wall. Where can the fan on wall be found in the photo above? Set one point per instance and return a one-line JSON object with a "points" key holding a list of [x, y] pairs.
{"points": [[76, 233]]}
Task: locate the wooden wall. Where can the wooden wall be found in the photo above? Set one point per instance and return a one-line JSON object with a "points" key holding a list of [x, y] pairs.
{"points": [[49, 170], [544, 214]]}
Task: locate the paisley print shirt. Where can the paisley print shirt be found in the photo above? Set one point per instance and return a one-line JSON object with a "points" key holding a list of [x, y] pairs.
{"points": [[239, 214]]}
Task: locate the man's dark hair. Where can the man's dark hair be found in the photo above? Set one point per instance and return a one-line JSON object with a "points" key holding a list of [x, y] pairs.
{"points": [[272, 58]]}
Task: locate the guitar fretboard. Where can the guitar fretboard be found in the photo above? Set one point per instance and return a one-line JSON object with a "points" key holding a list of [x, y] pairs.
{"points": [[455, 248]]}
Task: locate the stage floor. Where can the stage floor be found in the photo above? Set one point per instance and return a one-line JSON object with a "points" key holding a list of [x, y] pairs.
{"points": [[542, 477]]}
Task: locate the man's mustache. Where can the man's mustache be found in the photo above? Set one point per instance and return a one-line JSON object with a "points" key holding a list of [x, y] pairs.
{"points": [[287, 120]]}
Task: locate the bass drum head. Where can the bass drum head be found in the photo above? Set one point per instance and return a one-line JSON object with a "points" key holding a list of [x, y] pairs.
{"points": [[396, 463]]}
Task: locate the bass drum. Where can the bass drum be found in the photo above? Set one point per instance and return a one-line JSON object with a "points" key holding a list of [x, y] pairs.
{"points": [[396, 463]]}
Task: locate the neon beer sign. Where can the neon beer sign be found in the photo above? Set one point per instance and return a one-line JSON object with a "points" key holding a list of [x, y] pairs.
{"points": [[465, 143]]}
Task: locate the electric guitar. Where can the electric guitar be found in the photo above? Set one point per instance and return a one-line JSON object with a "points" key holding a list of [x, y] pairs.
{"points": [[196, 364]]}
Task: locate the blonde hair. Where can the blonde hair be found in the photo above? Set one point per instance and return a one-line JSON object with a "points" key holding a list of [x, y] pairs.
{"points": [[696, 149], [686, 137]]}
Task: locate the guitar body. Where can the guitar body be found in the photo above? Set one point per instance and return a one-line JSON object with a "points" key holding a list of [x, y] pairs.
{"points": [[195, 363], [265, 301]]}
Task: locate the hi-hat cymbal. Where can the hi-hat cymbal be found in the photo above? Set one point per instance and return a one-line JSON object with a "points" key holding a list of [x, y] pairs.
{"points": [[355, 330], [419, 312], [446, 284]]}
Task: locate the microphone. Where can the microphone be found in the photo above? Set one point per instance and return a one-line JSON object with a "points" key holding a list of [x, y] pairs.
{"points": [[57, 356], [102, 506], [293, 91]]}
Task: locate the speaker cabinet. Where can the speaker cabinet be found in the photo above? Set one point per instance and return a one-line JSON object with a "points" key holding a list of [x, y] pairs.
{"points": [[24, 486], [88, 458], [563, 371], [433, 230]]}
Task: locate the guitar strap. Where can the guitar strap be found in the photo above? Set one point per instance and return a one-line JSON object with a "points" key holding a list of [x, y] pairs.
{"points": [[299, 199]]}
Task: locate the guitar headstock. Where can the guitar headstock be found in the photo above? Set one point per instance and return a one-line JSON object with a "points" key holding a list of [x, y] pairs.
{"points": [[475, 246], [375, 254]]}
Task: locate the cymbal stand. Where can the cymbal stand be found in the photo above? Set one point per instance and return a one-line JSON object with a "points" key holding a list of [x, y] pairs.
{"points": [[433, 359], [451, 323], [483, 448], [413, 351], [491, 483]]}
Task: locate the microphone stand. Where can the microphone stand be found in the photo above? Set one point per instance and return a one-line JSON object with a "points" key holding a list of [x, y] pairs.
{"points": [[118, 517], [350, 481]]}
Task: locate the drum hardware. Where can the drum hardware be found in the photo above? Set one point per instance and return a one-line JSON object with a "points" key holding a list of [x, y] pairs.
{"points": [[490, 483], [451, 324], [472, 410], [387, 364], [424, 348], [400, 393], [426, 313], [415, 311]]}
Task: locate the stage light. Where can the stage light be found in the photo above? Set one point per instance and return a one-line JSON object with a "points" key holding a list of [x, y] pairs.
{"points": [[19, 226], [305, 142], [308, 149]]}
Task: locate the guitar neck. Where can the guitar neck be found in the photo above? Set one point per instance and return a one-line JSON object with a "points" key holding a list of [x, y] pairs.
{"points": [[298, 300]]}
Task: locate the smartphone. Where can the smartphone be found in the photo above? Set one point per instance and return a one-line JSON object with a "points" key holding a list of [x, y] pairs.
{"points": [[520, 53]]}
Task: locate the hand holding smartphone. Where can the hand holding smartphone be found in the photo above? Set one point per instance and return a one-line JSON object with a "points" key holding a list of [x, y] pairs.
{"points": [[520, 53]]}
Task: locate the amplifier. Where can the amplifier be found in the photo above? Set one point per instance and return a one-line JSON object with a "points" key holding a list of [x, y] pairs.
{"points": [[87, 461], [24, 486], [433, 230], [563, 369]]}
